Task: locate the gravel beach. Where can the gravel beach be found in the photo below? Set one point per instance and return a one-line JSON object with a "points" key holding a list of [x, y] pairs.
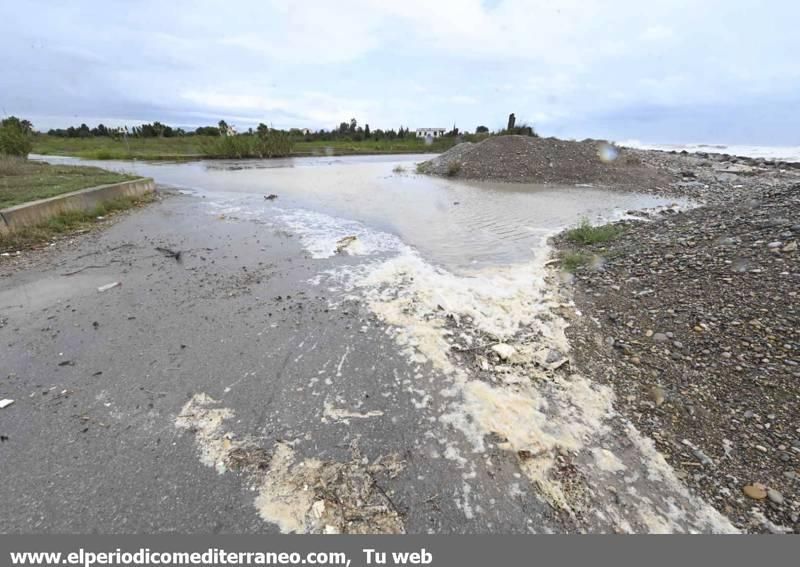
{"points": [[694, 319]]}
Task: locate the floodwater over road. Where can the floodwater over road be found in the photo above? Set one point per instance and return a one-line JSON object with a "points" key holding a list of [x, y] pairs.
{"points": [[455, 224], [428, 359]]}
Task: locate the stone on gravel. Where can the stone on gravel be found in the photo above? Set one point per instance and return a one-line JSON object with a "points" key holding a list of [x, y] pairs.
{"points": [[660, 338], [756, 491], [657, 395], [774, 496], [504, 351]]}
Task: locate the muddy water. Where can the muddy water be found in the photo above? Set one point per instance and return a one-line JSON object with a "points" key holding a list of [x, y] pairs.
{"points": [[455, 224], [456, 274]]}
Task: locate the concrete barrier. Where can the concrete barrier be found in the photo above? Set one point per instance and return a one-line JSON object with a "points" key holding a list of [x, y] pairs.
{"points": [[37, 212]]}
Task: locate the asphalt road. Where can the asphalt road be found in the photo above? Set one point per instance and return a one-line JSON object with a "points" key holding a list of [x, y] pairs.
{"points": [[93, 441]]}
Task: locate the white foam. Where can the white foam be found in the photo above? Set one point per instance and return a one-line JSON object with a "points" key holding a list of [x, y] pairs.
{"points": [[319, 234]]}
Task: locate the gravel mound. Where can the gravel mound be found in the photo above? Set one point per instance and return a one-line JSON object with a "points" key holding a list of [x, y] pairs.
{"points": [[694, 319], [544, 160]]}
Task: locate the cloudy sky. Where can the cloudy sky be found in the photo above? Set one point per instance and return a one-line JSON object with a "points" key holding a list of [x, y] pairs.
{"points": [[724, 71]]}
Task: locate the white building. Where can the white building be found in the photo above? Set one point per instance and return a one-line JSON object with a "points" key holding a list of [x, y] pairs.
{"points": [[430, 132]]}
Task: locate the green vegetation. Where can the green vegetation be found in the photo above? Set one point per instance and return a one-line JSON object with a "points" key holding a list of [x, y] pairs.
{"points": [[105, 147], [406, 145], [65, 223], [571, 261], [453, 168], [264, 144], [15, 137], [155, 141], [192, 147], [585, 233], [22, 180]]}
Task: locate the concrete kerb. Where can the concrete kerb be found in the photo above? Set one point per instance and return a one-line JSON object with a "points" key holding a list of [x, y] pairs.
{"points": [[37, 212]]}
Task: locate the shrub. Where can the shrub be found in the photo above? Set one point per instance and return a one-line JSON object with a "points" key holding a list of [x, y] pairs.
{"points": [[399, 169], [14, 141], [522, 129], [585, 233], [264, 145], [453, 168], [571, 261]]}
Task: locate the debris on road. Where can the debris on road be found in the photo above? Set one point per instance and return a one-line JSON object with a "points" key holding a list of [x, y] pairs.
{"points": [[343, 243], [504, 351], [176, 254], [4, 403], [299, 496], [79, 270], [108, 286]]}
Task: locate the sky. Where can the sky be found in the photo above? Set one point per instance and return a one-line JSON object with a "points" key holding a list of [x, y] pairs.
{"points": [[714, 71]]}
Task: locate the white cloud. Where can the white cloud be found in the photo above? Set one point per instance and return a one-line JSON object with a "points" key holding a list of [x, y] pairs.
{"points": [[317, 63]]}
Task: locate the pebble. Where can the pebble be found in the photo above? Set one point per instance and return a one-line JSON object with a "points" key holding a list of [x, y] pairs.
{"points": [[756, 491], [504, 351], [657, 394], [774, 496], [660, 338]]}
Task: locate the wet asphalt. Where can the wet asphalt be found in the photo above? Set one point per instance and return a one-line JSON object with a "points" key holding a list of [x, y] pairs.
{"points": [[98, 380]]}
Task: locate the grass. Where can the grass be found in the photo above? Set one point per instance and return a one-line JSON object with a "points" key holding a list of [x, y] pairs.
{"points": [[22, 180], [453, 168], [271, 144], [571, 261], [409, 145], [133, 148], [586, 234], [68, 222], [192, 147]]}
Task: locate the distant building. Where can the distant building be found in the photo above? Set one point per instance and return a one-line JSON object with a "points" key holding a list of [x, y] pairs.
{"points": [[430, 132]]}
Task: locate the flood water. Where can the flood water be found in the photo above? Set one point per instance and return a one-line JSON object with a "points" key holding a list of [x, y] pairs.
{"points": [[456, 224]]}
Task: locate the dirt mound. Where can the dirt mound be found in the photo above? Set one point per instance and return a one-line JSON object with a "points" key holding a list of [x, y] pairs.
{"points": [[543, 160]]}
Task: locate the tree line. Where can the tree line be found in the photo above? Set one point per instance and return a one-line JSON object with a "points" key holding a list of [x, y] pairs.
{"points": [[351, 131]]}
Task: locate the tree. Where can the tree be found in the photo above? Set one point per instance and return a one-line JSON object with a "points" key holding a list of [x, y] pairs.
{"points": [[366, 131], [207, 131], [262, 129], [223, 128], [15, 137], [481, 130], [353, 125]]}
